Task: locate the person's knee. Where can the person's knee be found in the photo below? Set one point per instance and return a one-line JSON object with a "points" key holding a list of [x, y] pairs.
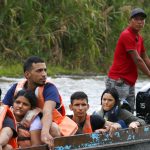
{"points": [[54, 130]]}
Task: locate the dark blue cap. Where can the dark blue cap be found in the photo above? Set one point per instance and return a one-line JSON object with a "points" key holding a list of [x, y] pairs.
{"points": [[138, 11]]}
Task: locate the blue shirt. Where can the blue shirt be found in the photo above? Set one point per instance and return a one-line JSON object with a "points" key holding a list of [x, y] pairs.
{"points": [[50, 93]]}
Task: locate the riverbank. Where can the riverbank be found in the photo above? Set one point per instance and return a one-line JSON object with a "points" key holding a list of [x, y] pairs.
{"points": [[16, 71]]}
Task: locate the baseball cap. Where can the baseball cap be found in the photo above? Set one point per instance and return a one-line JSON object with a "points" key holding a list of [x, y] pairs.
{"points": [[137, 11]]}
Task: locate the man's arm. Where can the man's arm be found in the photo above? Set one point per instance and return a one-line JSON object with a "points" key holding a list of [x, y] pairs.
{"points": [[47, 122], [146, 59], [140, 63]]}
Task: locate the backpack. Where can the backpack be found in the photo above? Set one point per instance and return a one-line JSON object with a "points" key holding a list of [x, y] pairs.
{"points": [[143, 105]]}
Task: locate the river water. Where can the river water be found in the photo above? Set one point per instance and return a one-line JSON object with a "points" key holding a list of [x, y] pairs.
{"points": [[93, 86]]}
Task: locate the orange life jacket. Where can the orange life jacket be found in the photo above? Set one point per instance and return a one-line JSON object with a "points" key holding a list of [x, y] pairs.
{"points": [[4, 110], [87, 128], [39, 94], [66, 125], [24, 136]]}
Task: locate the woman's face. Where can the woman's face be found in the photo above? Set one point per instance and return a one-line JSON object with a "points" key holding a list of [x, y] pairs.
{"points": [[108, 102], [21, 106]]}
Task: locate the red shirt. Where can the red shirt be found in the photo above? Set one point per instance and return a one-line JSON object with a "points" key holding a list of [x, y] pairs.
{"points": [[123, 66]]}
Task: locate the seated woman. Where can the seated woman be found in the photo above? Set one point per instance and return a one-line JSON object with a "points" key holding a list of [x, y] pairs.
{"points": [[112, 111], [28, 119]]}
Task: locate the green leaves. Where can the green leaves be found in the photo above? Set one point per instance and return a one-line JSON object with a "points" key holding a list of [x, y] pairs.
{"points": [[75, 34]]}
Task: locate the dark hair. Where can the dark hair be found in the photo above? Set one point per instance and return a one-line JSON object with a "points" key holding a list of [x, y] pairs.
{"points": [[29, 61], [29, 95], [114, 94], [78, 95]]}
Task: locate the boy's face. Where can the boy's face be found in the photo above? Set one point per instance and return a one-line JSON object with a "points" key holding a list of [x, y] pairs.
{"points": [[79, 107]]}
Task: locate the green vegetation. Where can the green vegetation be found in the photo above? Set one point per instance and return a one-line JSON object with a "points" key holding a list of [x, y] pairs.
{"points": [[15, 70], [73, 36]]}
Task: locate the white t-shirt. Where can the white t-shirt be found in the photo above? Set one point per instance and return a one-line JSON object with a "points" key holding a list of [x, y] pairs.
{"points": [[36, 124]]}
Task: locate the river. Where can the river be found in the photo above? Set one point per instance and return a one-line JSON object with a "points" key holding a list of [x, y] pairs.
{"points": [[93, 86]]}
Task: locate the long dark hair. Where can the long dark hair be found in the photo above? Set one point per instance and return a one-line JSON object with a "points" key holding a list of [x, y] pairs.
{"points": [[112, 115], [29, 95], [114, 94]]}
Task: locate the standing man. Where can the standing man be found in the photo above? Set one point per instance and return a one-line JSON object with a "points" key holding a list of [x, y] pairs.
{"points": [[35, 72], [130, 55]]}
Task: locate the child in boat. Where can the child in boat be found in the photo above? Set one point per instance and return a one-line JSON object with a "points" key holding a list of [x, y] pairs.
{"points": [[87, 123], [112, 111]]}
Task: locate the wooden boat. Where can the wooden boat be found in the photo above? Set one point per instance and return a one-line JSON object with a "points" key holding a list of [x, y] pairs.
{"points": [[125, 139]]}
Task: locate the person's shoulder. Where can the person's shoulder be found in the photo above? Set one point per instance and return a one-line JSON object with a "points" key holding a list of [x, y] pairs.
{"points": [[141, 37], [49, 84], [125, 32], [125, 112], [96, 117], [97, 122], [8, 98], [13, 86]]}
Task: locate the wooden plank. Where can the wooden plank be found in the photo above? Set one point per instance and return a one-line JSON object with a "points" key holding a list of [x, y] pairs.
{"points": [[98, 141]]}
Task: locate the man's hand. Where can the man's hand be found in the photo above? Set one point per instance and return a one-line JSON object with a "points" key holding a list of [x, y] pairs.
{"points": [[47, 139], [113, 128], [101, 130]]}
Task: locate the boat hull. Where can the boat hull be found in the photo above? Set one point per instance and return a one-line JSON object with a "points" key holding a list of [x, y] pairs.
{"points": [[126, 139]]}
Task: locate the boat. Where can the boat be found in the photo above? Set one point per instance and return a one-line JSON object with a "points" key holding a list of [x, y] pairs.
{"points": [[124, 139]]}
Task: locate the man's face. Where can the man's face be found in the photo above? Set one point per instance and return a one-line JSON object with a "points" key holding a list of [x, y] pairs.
{"points": [[79, 107], [37, 74], [137, 23]]}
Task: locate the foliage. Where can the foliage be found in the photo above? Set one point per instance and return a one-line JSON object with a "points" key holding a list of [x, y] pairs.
{"points": [[72, 34]]}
